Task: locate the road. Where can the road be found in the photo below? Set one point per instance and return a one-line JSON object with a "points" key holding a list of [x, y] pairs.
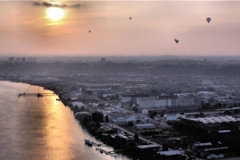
{"points": [[132, 134]]}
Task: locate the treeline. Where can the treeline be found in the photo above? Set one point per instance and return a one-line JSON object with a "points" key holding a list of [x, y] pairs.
{"points": [[125, 67]]}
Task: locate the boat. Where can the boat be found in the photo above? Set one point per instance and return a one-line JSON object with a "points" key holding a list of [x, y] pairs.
{"points": [[88, 142], [58, 99], [39, 95], [102, 151]]}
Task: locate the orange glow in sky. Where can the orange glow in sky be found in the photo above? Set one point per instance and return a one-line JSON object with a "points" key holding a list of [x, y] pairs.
{"points": [[63, 29]]}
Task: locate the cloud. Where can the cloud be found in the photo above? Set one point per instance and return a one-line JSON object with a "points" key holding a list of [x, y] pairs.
{"points": [[49, 4]]}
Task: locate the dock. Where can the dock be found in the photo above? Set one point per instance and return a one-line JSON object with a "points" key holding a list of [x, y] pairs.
{"points": [[35, 94]]}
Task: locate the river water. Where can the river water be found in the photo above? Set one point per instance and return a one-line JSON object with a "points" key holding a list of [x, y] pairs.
{"points": [[34, 128]]}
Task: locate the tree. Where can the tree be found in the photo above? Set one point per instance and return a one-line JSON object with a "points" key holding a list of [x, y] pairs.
{"points": [[236, 111], [106, 119], [135, 109], [165, 147], [136, 137], [82, 108], [220, 105], [100, 105], [130, 124], [152, 114], [227, 112], [201, 114], [97, 117]]}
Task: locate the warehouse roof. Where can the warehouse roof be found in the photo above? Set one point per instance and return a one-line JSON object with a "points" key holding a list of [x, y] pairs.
{"points": [[219, 119]]}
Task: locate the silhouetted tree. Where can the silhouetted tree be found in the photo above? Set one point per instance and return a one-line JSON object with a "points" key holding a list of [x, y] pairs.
{"points": [[135, 109], [136, 137], [97, 117], [130, 124], [201, 114], [106, 118], [152, 114], [165, 147]]}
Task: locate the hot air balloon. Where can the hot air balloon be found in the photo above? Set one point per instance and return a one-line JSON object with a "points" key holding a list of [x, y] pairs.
{"points": [[208, 19], [89, 31], [176, 40], [130, 18]]}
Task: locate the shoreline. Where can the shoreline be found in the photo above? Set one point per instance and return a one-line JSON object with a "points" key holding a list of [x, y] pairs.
{"points": [[128, 148], [67, 103]]}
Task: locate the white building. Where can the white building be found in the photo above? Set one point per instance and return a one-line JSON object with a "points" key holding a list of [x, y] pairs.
{"points": [[145, 126], [154, 102], [145, 111], [79, 104], [121, 118], [171, 117], [166, 102]]}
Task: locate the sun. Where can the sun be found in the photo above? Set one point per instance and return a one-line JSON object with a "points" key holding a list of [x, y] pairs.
{"points": [[55, 13]]}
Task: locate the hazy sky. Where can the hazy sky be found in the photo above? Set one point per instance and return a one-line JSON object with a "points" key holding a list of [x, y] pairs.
{"points": [[28, 29]]}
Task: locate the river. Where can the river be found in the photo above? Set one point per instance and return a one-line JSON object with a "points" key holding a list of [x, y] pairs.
{"points": [[33, 128]]}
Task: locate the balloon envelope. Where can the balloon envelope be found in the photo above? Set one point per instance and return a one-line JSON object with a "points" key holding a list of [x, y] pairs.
{"points": [[208, 19]]}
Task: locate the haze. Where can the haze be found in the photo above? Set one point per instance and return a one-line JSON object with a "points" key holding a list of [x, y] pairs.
{"points": [[31, 30]]}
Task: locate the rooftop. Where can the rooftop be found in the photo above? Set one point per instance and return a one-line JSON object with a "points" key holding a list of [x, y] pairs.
{"points": [[203, 144], [170, 153], [219, 119], [117, 115], [148, 146]]}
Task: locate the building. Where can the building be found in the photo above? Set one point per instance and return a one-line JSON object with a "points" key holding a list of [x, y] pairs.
{"points": [[133, 97], [121, 118], [216, 126], [161, 102], [206, 96], [166, 102], [171, 117], [184, 100], [214, 121], [79, 105], [172, 155], [209, 150], [145, 111], [148, 147], [224, 128], [145, 126]]}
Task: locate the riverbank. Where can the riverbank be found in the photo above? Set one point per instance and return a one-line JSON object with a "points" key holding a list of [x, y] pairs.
{"points": [[42, 128], [91, 126], [122, 142]]}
